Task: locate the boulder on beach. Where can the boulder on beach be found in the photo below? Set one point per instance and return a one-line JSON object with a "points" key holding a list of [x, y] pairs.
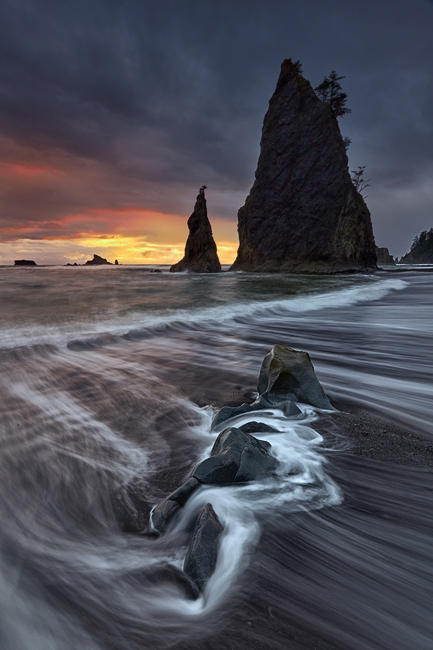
{"points": [[202, 553], [164, 512], [200, 251], [97, 260], [257, 427], [287, 406], [287, 373], [303, 213], [25, 263], [236, 457]]}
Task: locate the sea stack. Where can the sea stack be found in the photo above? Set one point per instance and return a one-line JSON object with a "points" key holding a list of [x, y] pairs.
{"points": [[384, 257], [421, 251], [303, 213], [25, 263], [97, 261], [200, 251]]}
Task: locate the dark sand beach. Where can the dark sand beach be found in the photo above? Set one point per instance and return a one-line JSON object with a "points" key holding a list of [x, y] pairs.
{"points": [[106, 406]]}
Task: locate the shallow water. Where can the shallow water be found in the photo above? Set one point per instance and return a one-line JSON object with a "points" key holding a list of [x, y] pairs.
{"points": [[111, 375]]}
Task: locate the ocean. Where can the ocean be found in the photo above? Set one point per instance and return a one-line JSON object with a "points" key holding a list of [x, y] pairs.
{"points": [[110, 377]]}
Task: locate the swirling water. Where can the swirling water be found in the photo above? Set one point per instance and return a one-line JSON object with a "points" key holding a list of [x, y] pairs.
{"points": [[110, 376]]}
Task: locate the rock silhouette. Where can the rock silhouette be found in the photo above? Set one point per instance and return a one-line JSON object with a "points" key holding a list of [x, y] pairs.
{"points": [[421, 251], [303, 213], [384, 256], [202, 553], [289, 374], [25, 263], [97, 259], [200, 250]]}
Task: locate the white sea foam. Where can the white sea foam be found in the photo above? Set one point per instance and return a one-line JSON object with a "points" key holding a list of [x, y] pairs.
{"points": [[137, 322]]}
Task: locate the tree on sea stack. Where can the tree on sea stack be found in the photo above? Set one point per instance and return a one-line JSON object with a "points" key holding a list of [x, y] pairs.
{"points": [[200, 251], [330, 92], [303, 213]]}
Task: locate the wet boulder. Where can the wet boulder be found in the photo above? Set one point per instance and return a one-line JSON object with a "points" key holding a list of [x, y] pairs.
{"points": [[236, 457], [257, 427], [202, 553], [164, 511], [263, 402], [289, 374]]}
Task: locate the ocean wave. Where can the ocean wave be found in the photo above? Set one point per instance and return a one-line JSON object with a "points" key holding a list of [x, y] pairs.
{"points": [[134, 326]]}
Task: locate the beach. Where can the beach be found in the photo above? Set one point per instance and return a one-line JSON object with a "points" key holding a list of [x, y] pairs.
{"points": [[110, 380]]}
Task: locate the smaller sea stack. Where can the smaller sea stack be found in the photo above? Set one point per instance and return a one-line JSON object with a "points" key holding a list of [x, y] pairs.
{"points": [[97, 260], [384, 257], [200, 251], [25, 263], [421, 251]]}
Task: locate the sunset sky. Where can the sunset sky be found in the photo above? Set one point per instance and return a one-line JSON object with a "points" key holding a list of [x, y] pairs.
{"points": [[112, 114]]}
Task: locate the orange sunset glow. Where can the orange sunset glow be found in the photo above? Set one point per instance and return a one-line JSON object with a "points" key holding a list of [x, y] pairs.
{"points": [[133, 234]]}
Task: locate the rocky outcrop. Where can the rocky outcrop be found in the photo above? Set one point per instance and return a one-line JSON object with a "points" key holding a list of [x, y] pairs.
{"points": [[288, 407], [303, 213], [384, 257], [164, 512], [236, 457], [202, 553], [289, 374], [421, 251], [25, 263], [200, 250], [97, 260]]}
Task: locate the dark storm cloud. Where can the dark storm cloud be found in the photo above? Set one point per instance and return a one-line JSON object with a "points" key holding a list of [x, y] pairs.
{"points": [[140, 102]]}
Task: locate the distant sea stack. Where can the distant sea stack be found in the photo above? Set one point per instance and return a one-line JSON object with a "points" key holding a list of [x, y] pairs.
{"points": [[25, 263], [200, 251], [384, 257], [421, 251], [303, 213], [97, 260]]}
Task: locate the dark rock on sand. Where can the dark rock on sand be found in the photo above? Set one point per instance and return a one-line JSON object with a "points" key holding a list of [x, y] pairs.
{"points": [[257, 427], [384, 257], [236, 457], [116, 262], [165, 511], [303, 213], [97, 260], [265, 401], [202, 553], [200, 250], [25, 263], [287, 373]]}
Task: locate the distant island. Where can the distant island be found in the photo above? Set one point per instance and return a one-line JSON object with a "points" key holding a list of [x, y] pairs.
{"points": [[25, 263], [97, 260]]}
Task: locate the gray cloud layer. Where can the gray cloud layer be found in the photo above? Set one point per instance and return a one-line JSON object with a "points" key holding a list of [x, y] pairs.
{"points": [[157, 98]]}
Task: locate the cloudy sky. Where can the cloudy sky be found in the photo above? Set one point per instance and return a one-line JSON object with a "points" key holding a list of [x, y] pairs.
{"points": [[113, 113]]}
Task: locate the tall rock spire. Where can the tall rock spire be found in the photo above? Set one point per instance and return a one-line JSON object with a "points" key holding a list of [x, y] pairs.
{"points": [[200, 250], [303, 213]]}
